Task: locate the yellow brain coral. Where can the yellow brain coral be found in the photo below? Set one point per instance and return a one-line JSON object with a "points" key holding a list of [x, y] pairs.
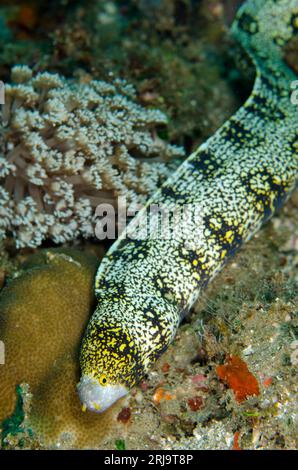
{"points": [[43, 314]]}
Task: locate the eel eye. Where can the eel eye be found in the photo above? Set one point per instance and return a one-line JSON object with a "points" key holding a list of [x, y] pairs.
{"points": [[103, 380]]}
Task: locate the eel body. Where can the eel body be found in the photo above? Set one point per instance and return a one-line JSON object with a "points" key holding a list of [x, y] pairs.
{"points": [[230, 185]]}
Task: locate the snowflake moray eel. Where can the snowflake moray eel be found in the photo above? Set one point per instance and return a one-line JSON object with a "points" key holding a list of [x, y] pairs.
{"points": [[237, 179]]}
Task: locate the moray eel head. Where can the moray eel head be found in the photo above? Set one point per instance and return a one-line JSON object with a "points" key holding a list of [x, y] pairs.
{"points": [[97, 397], [108, 364]]}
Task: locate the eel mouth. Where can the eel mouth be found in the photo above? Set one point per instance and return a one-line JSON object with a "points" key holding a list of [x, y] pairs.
{"points": [[96, 397]]}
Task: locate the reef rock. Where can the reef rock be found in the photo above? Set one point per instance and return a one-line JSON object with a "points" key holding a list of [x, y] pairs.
{"points": [[43, 313]]}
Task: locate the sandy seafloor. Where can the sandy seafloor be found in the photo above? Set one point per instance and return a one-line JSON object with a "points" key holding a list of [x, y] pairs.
{"points": [[249, 310]]}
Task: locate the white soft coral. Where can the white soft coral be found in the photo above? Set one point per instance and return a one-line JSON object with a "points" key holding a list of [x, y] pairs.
{"points": [[66, 147]]}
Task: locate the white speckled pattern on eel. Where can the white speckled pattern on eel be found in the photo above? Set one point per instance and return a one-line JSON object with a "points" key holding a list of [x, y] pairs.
{"points": [[238, 179]]}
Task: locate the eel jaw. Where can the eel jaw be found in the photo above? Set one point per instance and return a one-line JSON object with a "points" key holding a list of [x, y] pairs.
{"points": [[96, 397]]}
